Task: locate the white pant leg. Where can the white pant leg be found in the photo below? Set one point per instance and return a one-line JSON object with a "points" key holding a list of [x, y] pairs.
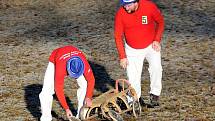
{"points": [[46, 95], [155, 71], [134, 69], [81, 92]]}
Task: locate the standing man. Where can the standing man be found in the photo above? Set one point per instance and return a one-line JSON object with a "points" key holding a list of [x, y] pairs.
{"points": [[141, 23], [64, 61]]}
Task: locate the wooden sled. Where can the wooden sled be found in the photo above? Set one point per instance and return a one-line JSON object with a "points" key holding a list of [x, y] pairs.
{"points": [[111, 104]]}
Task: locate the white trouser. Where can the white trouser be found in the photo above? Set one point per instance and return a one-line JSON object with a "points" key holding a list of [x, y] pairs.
{"points": [[81, 92], [46, 95], [135, 65]]}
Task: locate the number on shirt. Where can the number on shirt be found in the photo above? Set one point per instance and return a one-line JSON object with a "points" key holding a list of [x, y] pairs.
{"points": [[144, 20]]}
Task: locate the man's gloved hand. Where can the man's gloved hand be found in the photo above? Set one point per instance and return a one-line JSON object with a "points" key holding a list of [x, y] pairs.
{"points": [[69, 113], [87, 102]]}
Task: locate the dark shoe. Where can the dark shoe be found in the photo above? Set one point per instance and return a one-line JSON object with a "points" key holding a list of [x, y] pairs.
{"points": [[154, 101], [141, 100]]}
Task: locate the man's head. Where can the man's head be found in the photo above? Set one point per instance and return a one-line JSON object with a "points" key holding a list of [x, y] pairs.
{"points": [[75, 67], [129, 5]]}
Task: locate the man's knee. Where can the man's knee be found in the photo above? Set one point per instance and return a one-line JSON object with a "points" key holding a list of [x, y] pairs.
{"points": [[44, 95], [155, 68]]}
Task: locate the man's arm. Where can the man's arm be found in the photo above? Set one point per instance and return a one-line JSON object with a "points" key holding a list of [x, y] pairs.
{"points": [[88, 74], [118, 35], [59, 85], [158, 17], [59, 89]]}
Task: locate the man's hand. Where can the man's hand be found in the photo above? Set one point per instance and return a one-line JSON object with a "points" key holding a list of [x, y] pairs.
{"points": [[88, 102], [124, 63], [156, 46], [69, 114]]}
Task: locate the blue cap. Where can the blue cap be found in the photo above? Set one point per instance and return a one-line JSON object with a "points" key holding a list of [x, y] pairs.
{"points": [[125, 2], [75, 67]]}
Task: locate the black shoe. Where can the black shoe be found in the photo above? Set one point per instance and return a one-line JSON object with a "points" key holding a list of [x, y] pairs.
{"points": [[141, 100], [154, 101]]}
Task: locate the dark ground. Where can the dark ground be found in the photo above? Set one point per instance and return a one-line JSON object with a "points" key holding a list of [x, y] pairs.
{"points": [[31, 29]]}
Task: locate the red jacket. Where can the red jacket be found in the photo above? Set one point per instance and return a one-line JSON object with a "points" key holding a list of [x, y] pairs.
{"points": [[140, 28], [59, 57]]}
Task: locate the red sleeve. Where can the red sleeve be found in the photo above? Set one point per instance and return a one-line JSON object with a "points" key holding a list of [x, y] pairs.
{"points": [[88, 74], [53, 55], [118, 34], [59, 84], [158, 17]]}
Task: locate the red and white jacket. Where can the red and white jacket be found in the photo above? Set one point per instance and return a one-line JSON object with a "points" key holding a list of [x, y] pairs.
{"points": [[60, 57], [140, 28]]}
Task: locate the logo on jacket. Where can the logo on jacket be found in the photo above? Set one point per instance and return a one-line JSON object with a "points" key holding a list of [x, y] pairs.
{"points": [[68, 55], [144, 20]]}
